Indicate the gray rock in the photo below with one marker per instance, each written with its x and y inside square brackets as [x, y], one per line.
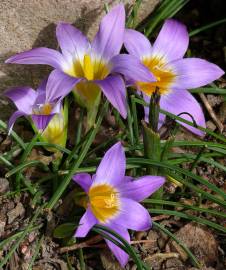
[4, 185]
[28, 24]
[199, 240]
[18, 211]
[2, 228]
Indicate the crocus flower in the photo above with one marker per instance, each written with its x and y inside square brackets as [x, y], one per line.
[40, 105]
[113, 199]
[174, 73]
[91, 67]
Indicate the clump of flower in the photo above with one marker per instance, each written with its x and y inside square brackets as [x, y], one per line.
[174, 74]
[91, 67]
[113, 199]
[88, 68]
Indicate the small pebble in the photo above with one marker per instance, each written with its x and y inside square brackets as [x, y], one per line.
[2, 228]
[15, 213]
[4, 185]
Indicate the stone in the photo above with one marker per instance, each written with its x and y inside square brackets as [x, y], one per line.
[152, 246]
[174, 264]
[18, 211]
[2, 228]
[28, 24]
[108, 260]
[200, 241]
[4, 185]
[210, 125]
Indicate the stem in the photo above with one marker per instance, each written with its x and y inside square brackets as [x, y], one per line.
[79, 127]
[81, 259]
[152, 143]
[154, 109]
[152, 148]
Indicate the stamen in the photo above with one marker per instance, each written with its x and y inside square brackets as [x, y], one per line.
[88, 67]
[163, 75]
[104, 201]
[43, 109]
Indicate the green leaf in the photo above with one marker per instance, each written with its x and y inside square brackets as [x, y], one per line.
[189, 217]
[64, 230]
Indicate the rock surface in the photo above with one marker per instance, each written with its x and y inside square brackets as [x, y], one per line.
[18, 211]
[200, 241]
[26, 24]
[4, 185]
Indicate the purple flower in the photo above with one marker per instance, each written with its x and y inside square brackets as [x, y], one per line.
[41, 105]
[91, 67]
[173, 73]
[113, 199]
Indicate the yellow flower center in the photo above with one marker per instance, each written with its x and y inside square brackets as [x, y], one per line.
[104, 201]
[89, 69]
[165, 76]
[56, 130]
[44, 109]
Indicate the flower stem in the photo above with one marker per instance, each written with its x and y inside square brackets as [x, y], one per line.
[151, 137]
[154, 109]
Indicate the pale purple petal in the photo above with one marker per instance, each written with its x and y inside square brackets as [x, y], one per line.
[41, 55]
[73, 44]
[179, 101]
[133, 215]
[84, 180]
[57, 108]
[136, 43]
[141, 188]
[13, 119]
[86, 223]
[194, 72]
[112, 167]
[41, 93]
[131, 67]
[120, 254]
[59, 85]
[127, 179]
[172, 41]
[114, 89]
[23, 98]
[162, 119]
[109, 39]
[41, 121]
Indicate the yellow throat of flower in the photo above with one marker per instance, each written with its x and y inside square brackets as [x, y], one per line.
[88, 68]
[44, 109]
[104, 201]
[164, 76]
